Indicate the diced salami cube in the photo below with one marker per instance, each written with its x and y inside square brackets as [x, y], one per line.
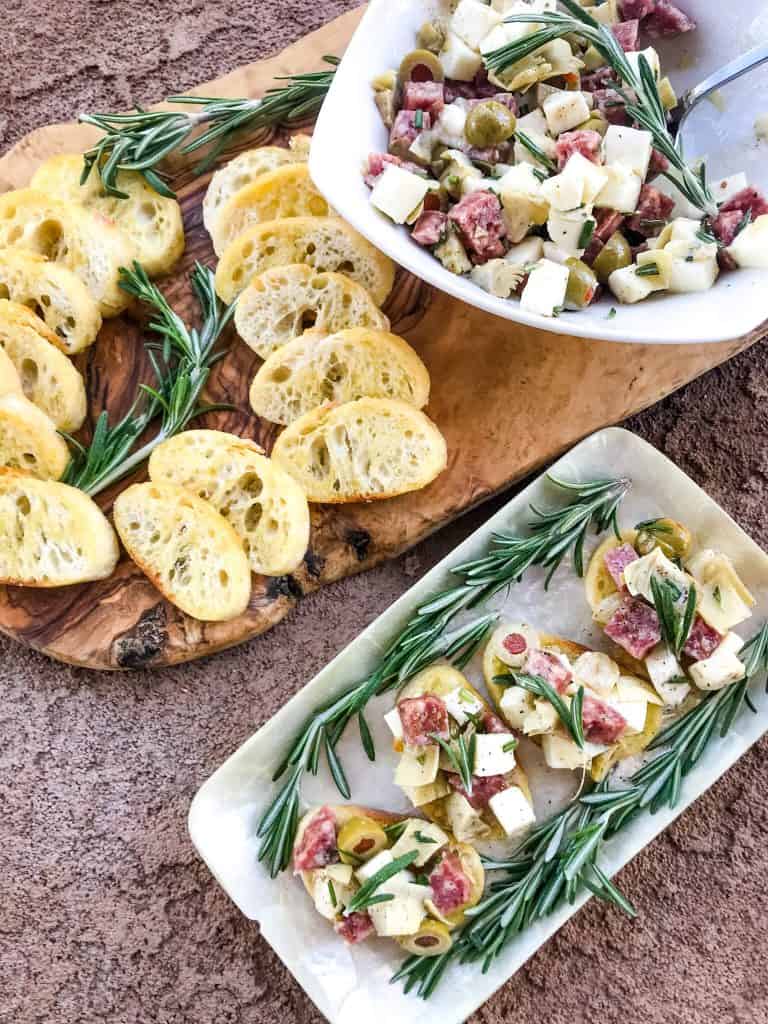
[634, 626]
[492, 723]
[667, 20]
[702, 641]
[549, 668]
[726, 225]
[355, 928]
[611, 105]
[427, 96]
[602, 723]
[423, 717]
[636, 8]
[483, 788]
[658, 165]
[617, 559]
[588, 143]
[627, 34]
[749, 200]
[408, 124]
[430, 228]
[318, 846]
[603, 78]
[653, 207]
[481, 225]
[451, 886]
[608, 223]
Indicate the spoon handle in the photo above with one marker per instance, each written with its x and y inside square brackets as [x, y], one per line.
[733, 69]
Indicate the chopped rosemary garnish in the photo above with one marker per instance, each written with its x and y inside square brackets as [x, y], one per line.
[366, 895]
[569, 715]
[647, 270]
[419, 836]
[182, 363]
[654, 526]
[536, 152]
[427, 636]
[353, 857]
[140, 141]
[509, 746]
[675, 625]
[332, 893]
[717, 595]
[395, 830]
[462, 757]
[560, 856]
[587, 231]
[707, 237]
[612, 313]
[418, 119]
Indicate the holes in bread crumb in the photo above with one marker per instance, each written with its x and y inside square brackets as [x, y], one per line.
[23, 505]
[70, 322]
[253, 516]
[133, 525]
[320, 459]
[10, 212]
[29, 376]
[346, 267]
[29, 458]
[45, 300]
[4, 293]
[318, 206]
[308, 319]
[247, 250]
[311, 249]
[281, 374]
[273, 526]
[223, 577]
[270, 250]
[146, 213]
[319, 282]
[14, 235]
[237, 274]
[252, 484]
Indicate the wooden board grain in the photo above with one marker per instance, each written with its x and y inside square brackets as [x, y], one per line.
[507, 397]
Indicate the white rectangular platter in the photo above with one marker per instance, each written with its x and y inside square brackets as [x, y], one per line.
[353, 984]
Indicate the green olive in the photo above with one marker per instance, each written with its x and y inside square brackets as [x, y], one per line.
[671, 537]
[431, 36]
[614, 255]
[420, 66]
[582, 284]
[360, 839]
[432, 939]
[489, 123]
[595, 123]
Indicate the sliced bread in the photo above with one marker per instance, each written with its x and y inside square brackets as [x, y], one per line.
[325, 243]
[29, 441]
[86, 242]
[285, 192]
[244, 169]
[55, 294]
[46, 376]
[360, 451]
[189, 551]
[51, 535]
[264, 505]
[152, 222]
[10, 381]
[341, 367]
[282, 303]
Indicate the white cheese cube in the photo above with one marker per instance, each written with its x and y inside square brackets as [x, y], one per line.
[533, 123]
[650, 55]
[732, 643]
[520, 178]
[593, 177]
[329, 895]
[570, 231]
[560, 752]
[461, 703]
[726, 188]
[681, 229]
[621, 191]
[491, 757]
[724, 601]
[563, 191]
[555, 253]
[449, 129]
[628, 287]
[401, 916]
[633, 712]
[463, 820]
[392, 718]
[630, 147]
[376, 863]
[420, 795]
[606, 13]
[528, 251]
[516, 704]
[667, 675]
[638, 575]
[545, 290]
[472, 21]
[397, 193]
[541, 720]
[630, 688]
[459, 60]
[512, 810]
[717, 671]
[417, 766]
[607, 609]
[750, 247]
[425, 837]
[597, 671]
[693, 275]
[564, 111]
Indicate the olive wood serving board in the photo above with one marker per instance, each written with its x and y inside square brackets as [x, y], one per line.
[508, 398]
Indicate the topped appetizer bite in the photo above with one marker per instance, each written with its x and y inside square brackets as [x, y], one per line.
[375, 873]
[541, 165]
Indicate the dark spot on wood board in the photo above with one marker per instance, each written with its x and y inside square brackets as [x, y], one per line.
[314, 563]
[284, 586]
[360, 540]
[137, 648]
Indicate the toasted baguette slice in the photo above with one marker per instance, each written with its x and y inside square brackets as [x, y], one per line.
[152, 222]
[325, 243]
[51, 535]
[10, 381]
[46, 376]
[264, 505]
[285, 192]
[244, 169]
[341, 367]
[87, 243]
[189, 551]
[55, 294]
[29, 441]
[364, 450]
[281, 303]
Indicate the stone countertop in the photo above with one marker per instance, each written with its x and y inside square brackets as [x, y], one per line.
[106, 913]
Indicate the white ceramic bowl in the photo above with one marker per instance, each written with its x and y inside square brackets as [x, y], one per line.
[349, 128]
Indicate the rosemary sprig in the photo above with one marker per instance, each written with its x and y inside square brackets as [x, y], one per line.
[569, 715]
[536, 152]
[367, 895]
[140, 141]
[427, 637]
[560, 856]
[462, 757]
[653, 526]
[647, 270]
[643, 105]
[186, 355]
[675, 624]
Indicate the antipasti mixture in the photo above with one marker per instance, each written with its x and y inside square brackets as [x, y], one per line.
[530, 149]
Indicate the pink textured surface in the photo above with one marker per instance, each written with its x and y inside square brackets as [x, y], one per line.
[106, 914]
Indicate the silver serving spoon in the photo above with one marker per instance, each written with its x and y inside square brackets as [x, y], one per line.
[728, 73]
